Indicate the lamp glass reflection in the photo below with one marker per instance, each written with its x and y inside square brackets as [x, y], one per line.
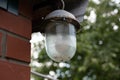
[60, 40]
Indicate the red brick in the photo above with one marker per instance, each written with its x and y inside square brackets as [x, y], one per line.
[15, 24]
[0, 43]
[11, 71]
[18, 49]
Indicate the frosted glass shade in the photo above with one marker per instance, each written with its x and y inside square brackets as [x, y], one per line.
[60, 40]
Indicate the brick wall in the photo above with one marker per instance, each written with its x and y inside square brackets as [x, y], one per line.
[15, 33]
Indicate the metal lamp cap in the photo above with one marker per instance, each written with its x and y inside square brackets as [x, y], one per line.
[63, 15]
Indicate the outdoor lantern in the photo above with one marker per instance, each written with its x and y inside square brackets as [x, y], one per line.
[60, 35]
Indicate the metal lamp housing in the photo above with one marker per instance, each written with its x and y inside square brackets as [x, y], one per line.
[60, 35]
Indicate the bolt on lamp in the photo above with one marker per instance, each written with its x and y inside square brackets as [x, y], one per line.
[60, 35]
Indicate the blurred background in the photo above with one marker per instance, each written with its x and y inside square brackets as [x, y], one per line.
[98, 47]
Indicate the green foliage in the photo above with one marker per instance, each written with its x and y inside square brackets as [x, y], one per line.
[98, 47]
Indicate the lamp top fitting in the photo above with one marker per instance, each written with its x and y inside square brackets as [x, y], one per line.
[62, 15]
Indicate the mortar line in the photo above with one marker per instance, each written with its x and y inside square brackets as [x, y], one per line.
[3, 44]
[15, 35]
[15, 61]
